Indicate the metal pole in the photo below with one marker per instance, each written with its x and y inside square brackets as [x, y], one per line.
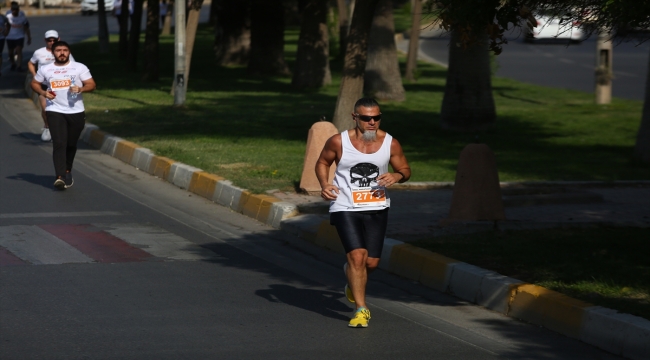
[179, 53]
[604, 69]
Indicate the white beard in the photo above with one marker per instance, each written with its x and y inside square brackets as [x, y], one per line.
[369, 136]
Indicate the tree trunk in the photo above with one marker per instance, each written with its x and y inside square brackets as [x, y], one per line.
[190, 35]
[312, 59]
[382, 79]
[267, 38]
[354, 64]
[414, 41]
[151, 64]
[642, 147]
[134, 37]
[167, 25]
[344, 21]
[232, 38]
[124, 29]
[212, 19]
[468, 104]
[103, 26]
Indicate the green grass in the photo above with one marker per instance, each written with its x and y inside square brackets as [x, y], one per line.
[609, 267]
[252, 130]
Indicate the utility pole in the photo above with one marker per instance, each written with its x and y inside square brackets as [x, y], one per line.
[179, 53]
[604, 69]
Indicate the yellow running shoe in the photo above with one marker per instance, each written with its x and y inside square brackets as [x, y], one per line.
[348, 294]
[360, 319]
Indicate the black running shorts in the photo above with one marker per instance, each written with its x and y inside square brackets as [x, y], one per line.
[2, 46]
[361, 230]
[12, 44]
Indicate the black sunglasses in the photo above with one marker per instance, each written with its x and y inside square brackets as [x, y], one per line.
[51, 40]
[368, 117]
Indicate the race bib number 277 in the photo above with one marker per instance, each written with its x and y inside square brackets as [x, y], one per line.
[369, 196]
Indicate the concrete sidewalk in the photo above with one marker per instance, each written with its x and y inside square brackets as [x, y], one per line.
[416, 212]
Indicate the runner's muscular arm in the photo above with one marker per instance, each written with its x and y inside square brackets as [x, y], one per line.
[31, 67]
[36, 86]
[88, 86]
[327, 157]
[29, 34]
[401, 168]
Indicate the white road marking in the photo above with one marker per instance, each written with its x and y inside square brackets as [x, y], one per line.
[158, 242]
[62, 214]
[37, 246]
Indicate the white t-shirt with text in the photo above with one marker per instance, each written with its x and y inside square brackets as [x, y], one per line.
[44, 57]
[17, 25]
[59, 80]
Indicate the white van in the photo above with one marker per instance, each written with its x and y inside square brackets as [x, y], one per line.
[90, 6]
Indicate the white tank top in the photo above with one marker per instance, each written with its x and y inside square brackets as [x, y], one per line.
[356, 177]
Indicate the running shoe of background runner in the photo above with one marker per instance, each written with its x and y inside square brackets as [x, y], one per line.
[59, 184]
[68, 179]
[45, 136]
[360, 319]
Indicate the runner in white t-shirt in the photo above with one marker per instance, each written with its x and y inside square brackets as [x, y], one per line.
[65, 108]
[18, 28]
[42, 57]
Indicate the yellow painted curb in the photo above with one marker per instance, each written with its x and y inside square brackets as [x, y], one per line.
[328, 237]
[257, 206]
[435, 270]
[44, 12]
[97, 138]
[160, 166]
[547, 308]
[124, 150]
[203, 184]
[407, 261]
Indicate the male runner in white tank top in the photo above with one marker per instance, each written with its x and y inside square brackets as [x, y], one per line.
[359, 201]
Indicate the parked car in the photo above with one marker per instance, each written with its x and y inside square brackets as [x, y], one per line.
[550, 27]
[90, 6]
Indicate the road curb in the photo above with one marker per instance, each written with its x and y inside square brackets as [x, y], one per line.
[621, 334]
[264, 208]
[45, 12]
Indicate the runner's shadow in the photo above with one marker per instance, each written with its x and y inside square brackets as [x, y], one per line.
[30, 136]
[325, 303]
[43, 180]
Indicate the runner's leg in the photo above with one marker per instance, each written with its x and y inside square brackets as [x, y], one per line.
[75, 124]
[59, 133]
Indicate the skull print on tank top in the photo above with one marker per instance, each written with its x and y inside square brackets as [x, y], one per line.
[356, 177]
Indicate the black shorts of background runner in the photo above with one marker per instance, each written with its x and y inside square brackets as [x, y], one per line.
[12, 44]
[361, 230]
[65, 130]
[2, 46]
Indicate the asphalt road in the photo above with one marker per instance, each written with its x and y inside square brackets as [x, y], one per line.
[124, 265]
[554, 64]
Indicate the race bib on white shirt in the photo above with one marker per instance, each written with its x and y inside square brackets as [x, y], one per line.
[368, 196]
[59, 79]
